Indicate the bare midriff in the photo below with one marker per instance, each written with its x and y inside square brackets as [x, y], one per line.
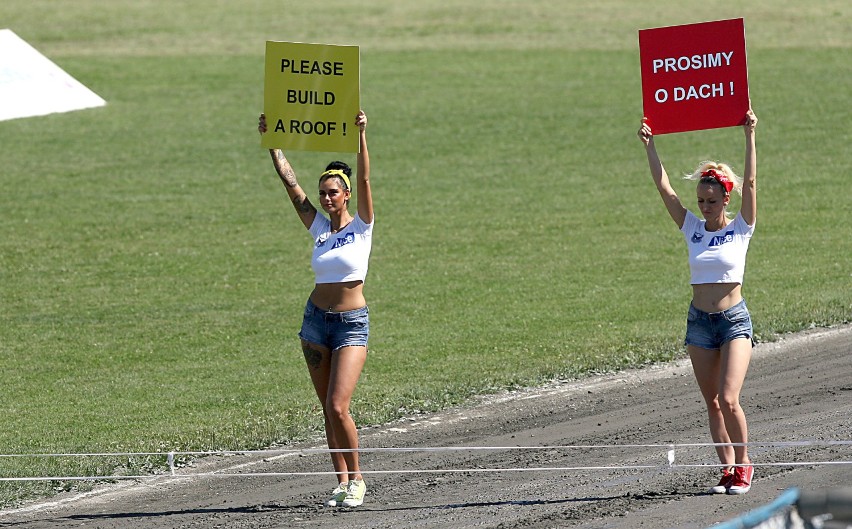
[716, 297]
[339, 297]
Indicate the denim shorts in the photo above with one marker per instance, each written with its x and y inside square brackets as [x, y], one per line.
[711, 330]
[335, 330]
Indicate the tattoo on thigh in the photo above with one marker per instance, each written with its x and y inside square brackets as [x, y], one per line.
[312, 356]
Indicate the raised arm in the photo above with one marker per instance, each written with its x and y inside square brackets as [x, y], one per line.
[749, 207]
[365, 197]
[661, 178]
[306, 211]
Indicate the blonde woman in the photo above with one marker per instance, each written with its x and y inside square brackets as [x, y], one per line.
[336, 323]
[719, 335]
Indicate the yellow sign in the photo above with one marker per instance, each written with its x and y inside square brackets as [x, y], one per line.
[311, 96]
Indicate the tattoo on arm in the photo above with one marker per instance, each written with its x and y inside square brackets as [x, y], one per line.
[288, 177]
[303, 205]
[312, 356]
[284, 170]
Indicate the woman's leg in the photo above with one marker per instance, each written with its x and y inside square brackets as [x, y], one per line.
[346, 366]
[318, 359]
[736, 356]
[707, 366]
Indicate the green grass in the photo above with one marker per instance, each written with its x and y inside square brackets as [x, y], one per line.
[152, 272]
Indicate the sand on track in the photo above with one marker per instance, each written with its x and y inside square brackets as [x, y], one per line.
[799, 389]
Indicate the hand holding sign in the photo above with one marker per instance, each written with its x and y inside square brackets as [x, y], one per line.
[645, 134]
[694, 76]
[750, 121]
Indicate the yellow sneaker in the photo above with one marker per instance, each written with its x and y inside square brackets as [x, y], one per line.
[355, 493]
[337, 495]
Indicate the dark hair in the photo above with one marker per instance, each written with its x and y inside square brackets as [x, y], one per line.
[339, 166]
[343, 166]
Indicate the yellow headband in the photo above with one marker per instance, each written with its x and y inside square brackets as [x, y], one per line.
[337, 172]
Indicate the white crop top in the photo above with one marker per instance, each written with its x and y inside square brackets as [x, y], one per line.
[716, 256]
[341, 256]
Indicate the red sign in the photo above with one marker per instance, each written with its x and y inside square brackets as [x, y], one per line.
[694, 77]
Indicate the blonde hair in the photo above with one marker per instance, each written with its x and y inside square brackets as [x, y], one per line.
[725, 169]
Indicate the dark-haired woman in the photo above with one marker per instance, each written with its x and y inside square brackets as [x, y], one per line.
[719, 335]
[336, 325]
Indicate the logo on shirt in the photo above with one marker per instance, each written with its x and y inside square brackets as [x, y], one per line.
[321, 240]
[719, 240]
[696, 237]
[347, 239]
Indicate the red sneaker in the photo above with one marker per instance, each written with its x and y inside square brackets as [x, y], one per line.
[741, 482]
[724, 483]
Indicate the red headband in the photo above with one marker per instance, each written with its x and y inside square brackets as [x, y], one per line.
[719, 177]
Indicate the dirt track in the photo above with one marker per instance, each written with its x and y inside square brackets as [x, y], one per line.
[798, 389]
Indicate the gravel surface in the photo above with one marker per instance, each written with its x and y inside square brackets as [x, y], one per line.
[574, 467]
